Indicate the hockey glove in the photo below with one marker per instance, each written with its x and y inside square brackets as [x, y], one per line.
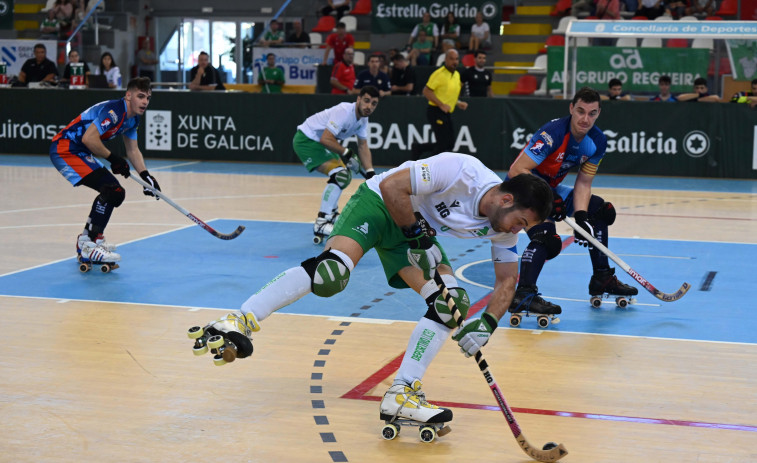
[423, 254]
[153, 183]
[118, 165]
[368, 173]
[558, 208]
[473, 334]
[582, 220]
[350, 159]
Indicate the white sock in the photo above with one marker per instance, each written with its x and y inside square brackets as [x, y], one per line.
[425, 342]
[283, 290]
[331, 194]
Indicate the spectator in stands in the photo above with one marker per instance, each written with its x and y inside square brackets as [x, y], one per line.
[204, 76]
[343, 74]
[146, 60]
[39, 68]
[50, 27]
[340, 6]
[700, 92]
[702, 8]
[64, 12]
[664, 84]
[607, 9]
[615, 91]
[582, 7]
[374, 77]
[271, 78]
[403, 76]
[651, 8]
[274, 36]
[384, 63]
[421, 51]
[73, 57]
[476, 79]
[338, 41]
[442, 92]
[676, 8]
[747, 97]
[110, 70]
[631, 5]
[450, 33]
[425, 25]
[480, 35]
[298, 35]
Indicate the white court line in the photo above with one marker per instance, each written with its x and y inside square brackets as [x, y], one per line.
[129, 224]
[181, 164]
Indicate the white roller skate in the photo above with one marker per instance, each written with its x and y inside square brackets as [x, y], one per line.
[403, 404]
[90, 253]
[228, 338]
[323, 226]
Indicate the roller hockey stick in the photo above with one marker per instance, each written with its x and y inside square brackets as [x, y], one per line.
[636, 276]
[550, 452]
[192, 217]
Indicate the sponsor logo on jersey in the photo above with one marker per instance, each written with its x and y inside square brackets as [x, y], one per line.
[425, 173]
[455, 203]
[362, 228]
[537, 147]
[113, 116]
[561, 156]
[547, 137]
[481, 232]
[105, 124]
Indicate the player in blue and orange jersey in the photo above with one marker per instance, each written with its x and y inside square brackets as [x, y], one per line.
[73, 152]
[553, 150]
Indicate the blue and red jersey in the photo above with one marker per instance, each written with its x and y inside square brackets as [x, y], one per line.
[555, 150]
[110, 119]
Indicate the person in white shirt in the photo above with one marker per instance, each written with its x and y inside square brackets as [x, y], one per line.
[480, 35]
[111, 71]
[399, 213]
[327, 129]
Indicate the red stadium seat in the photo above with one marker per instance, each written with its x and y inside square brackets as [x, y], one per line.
[713, 18]
[325, 24]
[677, 43]
[469, 60]
[362, 7]
[526, 85]
[728, 8]
[640, 18]
[562, 8]
[554, 40]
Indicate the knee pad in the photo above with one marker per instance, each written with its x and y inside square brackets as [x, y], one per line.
[438, 310]
[546, 235]
[605, 213]
[328, 274]
[112, 193]
[341, 178]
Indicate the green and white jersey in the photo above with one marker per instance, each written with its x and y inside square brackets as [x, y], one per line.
[340, 120]
[447, 190]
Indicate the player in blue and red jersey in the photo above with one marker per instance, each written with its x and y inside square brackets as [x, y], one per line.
[553, 150]
[73, 152]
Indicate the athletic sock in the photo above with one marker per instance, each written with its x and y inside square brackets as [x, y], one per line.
[284, 289]
[427, 339]
[531, 264]
[330, 198]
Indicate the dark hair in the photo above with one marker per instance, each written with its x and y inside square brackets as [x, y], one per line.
[203, 53]
[40, 45]
[139, 83]
[754, 81]
[664, 80]
[270, 54]
[587, 95]
[112, 61]
[614, 83]
[341, 25]
[479, 52]
[369, 90]
[398, 57]
[700, 81]
[529, 192]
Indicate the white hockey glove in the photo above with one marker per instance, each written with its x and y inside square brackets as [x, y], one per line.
[423, 254]
[473, 334]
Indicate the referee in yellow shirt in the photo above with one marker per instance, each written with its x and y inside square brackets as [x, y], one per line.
[442, 92]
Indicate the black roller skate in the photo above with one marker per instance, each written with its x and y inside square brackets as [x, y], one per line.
[604, 284]
[528, 301]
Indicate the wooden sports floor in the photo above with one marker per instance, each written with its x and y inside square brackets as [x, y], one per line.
[84, 378]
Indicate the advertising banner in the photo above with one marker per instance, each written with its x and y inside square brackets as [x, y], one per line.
[299, 64]
[743, 56]
[16, 52]
[6, 14]
[638, 68]
[398, 16]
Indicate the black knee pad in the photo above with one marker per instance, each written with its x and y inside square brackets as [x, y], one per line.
[112, 193]
[546, 235]
[605, 213]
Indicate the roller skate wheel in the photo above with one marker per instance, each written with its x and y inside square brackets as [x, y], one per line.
[632, 300]
[427, 434]
[195, 332]
[105, 268]
[622, 302]
[317, 240]
[214, 342]
[390, 431]
[200, 350]
[549, 446]
[515, 320]
[83, 268]
[542, 321]
[218, 360]
[555, 320]
[229, 354]
[596, 302]
[444, 431]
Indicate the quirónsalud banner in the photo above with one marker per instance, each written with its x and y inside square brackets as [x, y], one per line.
[396, 16]
[638, 68]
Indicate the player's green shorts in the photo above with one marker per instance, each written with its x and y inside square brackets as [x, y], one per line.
[366, 220]
[310, 152]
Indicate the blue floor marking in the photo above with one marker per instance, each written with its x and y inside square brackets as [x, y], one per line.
[297, 170]
[188, 267]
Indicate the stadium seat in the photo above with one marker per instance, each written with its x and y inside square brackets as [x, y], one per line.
[440, 59]
[688, 18]
[651, 42]
[640, 18]
[562, 26]
[703, 43]
[553, 41]
[677, 43]
[359, 59]
[468, 60]
[526, 85]
[713, 18]
[728, 8]
[725, 66]
[325, 24]
[362, 7]
[540, 65]
[315, 38]
[626, 42]
[350, 23]
[562, 7]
